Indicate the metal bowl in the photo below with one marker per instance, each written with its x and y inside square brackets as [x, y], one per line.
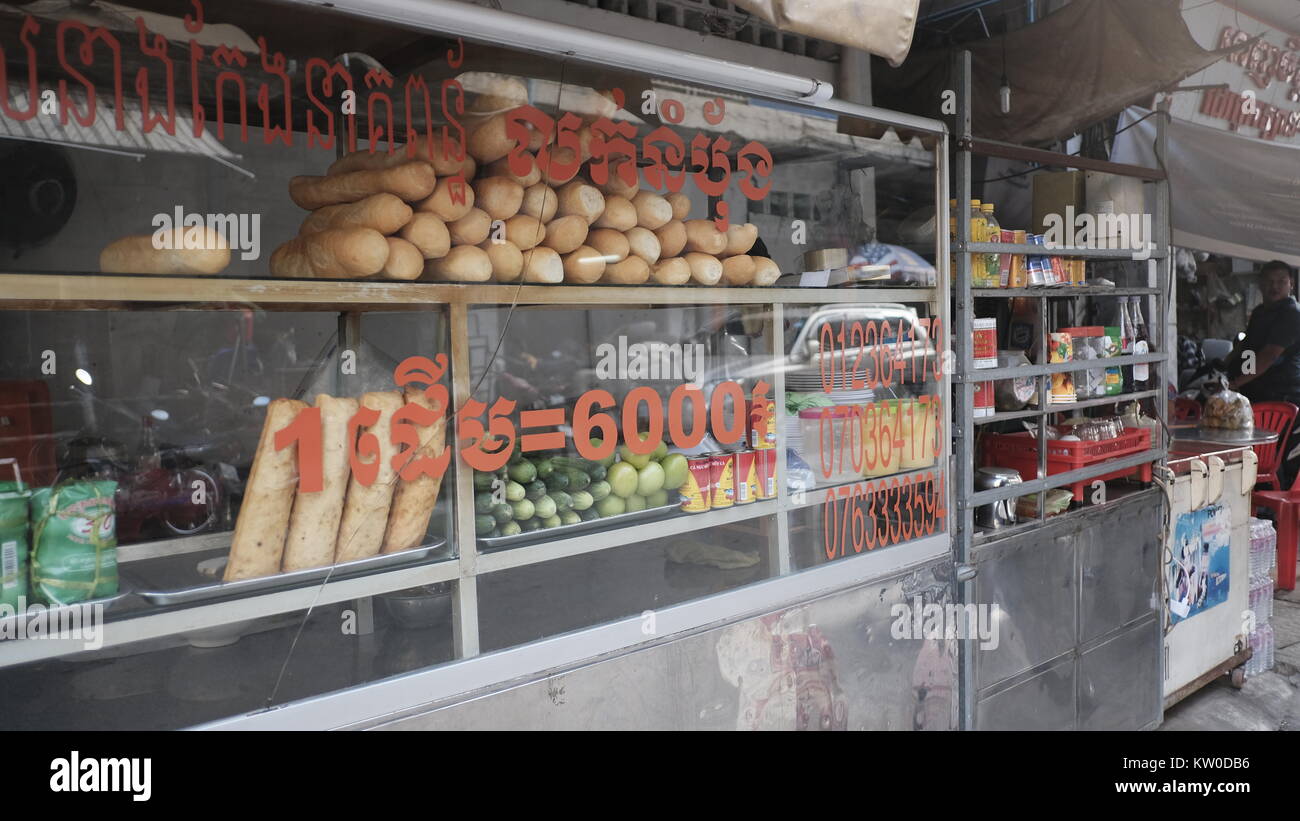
[419, 607]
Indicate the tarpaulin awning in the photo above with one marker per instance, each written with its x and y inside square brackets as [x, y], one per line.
[881, 27]
[1231, 194]
[1078, 65]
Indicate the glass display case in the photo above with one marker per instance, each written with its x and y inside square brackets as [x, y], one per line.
[352, 366]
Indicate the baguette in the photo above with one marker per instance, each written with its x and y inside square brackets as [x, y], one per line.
[584, 266]
[672, 238]
[499, 197]
[525, 231]
[566, 233]
[451, 199]
[410, 181]
[506, 258]
[314, 524]
[643, 243]
[631, 271]
[405, 261]
[335, 253]
[703, 237]
[705, 269]
[540, 201]
[501, 168]
[681, 205]
[579, 199]
[137, 255]
[738, 270]
[561, 166]
[619, 214]
[488, 142]
[365, 160]
[385, 213]
[652, 211]
[470, 229]
[543, 265]
[428, 233]
[464, 263]
[365, 510]
[611, 244]
[766, 272]
[257, 546]
[740, 238]
[414, 500]
[671, 271]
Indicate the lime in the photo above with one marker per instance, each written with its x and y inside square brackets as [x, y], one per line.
[649, 479]
[674, 465]
[622, 479]
[636, 460]
[610, 506]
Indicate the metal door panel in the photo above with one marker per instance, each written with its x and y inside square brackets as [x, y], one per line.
[1119, 573]
[1044, 702]
[1119, 681]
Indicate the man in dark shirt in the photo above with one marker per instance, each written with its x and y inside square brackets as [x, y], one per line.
[1273, 338]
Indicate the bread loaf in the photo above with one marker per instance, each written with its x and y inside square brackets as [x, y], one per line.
[409, 182]
[451, 200]
[671, 271]
[137, 255]
[499, 197]
[672, 238]
[506, 258]
[525, 231]
[501, 168]
[740, 238]
[464, 263]
[681, 205]
[385, 213]
[365, 510]
[257, 547]
[584, 266]
[619, 214]
[314, 524]
[414, 500]
[579, 199]
[566, 233]
[652, 210]
[703, 237]
[540, 201]
[405, 261]
[470, 229]
[766, 272]
[738, 270]
[705, 269]
[428, 233]
[543, 265]
[631, 271]
[612, 245]
[335, 253]
[643, 243]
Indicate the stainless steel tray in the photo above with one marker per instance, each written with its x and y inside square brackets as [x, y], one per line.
[560, 532]
[165, 583]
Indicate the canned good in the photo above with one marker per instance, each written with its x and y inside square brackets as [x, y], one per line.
[698, 489]
[985, 343]
[722, 476]
[984, 399]
[765, 461]
[746, 476]
[762, 435]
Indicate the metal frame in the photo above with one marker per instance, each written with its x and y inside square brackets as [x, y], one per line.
[1156, 294]
[471, 670]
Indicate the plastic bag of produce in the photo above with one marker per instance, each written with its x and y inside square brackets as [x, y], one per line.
[74, 542]
[1013, 394]
[1057, 502]
[1228, 409]
[13, 542]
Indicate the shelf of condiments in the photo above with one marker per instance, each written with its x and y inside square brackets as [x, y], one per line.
[1127, 336]
[1012, 270]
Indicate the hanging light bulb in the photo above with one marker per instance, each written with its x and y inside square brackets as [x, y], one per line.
[1004, 96]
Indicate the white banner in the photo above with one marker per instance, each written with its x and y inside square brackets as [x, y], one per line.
[1231, 194]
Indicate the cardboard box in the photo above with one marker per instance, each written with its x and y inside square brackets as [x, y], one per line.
[1054, 191]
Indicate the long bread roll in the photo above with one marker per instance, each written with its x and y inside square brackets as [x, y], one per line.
[409, 182]
[383, 212]
[137, 255]
[441, 158]
[263, 525]
[365, 511]
[335, 253]
[405, 261]
[413, 501]
[314, 525]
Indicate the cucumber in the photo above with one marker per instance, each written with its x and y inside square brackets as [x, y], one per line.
[529, 525]
[563, 501]
[578, 480]
[483, 481]
[570, 517]
[483, 525]
[514, 491]
[557, 481]
[544, 468]
[597, 473]
[553, 521]
[574, 463]
[536, 490]
[599, 490]
[522, 509]
[545, 507]
[502, 513]
[482, 502]
[510, 529]
[522, 472]
[582, 500]
[589, 514]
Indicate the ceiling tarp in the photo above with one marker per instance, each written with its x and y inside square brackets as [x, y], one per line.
[1231, 194]
[882, 27]
[1078, 65]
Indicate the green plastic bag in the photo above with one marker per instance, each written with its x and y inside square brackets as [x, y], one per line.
[74, 542]
[13, 543]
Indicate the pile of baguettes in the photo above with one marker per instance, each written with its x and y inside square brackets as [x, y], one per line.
[398, 217]
[280, 529]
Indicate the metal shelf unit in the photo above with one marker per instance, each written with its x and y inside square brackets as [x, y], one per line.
[1155, 293]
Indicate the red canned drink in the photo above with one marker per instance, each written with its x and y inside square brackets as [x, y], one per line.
[762, 434]
[697, 492]
[722, 476]
[746, 477]
[766, 466]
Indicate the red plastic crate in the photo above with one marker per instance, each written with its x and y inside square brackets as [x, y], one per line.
[1020, 452]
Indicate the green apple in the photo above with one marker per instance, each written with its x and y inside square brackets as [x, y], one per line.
[674, 465]
[636, 460]
[635, 502]
[650, 479]
[622, 478]
[660, 451]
